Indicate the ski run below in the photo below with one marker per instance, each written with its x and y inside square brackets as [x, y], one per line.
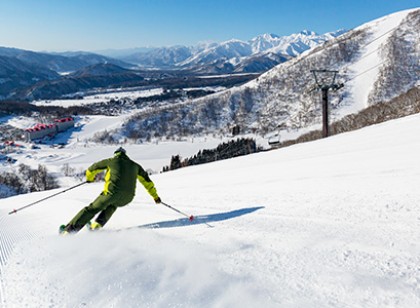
[331, 223]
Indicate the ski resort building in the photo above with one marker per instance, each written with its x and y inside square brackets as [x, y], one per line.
[64, 124]
[40, 131]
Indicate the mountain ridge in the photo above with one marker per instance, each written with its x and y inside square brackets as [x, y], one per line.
[59, 62]
[232, 51]
[233, 56]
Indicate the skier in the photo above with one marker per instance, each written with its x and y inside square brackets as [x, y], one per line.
[120, 186]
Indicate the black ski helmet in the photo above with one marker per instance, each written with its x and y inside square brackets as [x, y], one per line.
[120, 150]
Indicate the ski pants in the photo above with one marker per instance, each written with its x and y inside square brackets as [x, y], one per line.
[104, 204]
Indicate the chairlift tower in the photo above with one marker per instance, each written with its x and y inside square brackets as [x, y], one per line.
[325, 80]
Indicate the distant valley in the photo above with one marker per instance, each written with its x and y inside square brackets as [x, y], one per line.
[28, 75]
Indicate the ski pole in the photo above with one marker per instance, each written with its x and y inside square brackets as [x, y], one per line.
[33, 203]
[190, 217]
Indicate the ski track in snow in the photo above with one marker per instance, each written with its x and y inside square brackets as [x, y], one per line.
[9, 236]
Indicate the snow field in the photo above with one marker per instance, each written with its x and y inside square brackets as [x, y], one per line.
[101, 97]
[331, 223]
[151, 271]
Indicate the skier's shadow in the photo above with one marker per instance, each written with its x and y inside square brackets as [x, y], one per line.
[201, 219]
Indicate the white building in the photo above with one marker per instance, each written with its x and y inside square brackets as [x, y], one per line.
[42, 130]
[64, 124]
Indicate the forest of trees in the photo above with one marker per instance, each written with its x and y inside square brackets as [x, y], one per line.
[233, 148]
[404, 105]
[26, 180]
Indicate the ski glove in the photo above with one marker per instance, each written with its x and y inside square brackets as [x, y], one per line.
[90, 175]
[157, 200]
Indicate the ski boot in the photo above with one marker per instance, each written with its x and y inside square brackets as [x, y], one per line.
[93, 226]
[62, 230]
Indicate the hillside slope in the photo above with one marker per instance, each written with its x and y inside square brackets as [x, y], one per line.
[377, 62]
[332, 223]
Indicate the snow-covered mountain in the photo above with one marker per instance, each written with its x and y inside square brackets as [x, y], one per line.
[377, 62]
[257, 55]
[292, 45]
[160, 57]
[233, 53]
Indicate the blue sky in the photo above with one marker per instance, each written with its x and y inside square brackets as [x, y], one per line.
[60, 25]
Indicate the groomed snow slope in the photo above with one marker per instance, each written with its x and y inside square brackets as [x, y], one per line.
[332, 223]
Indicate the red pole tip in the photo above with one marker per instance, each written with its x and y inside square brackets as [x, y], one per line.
[191, 218]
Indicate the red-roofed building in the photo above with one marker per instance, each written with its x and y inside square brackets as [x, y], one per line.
[64, 124]
[42, 130]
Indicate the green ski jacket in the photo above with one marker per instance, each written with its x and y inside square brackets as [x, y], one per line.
[121, 176]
